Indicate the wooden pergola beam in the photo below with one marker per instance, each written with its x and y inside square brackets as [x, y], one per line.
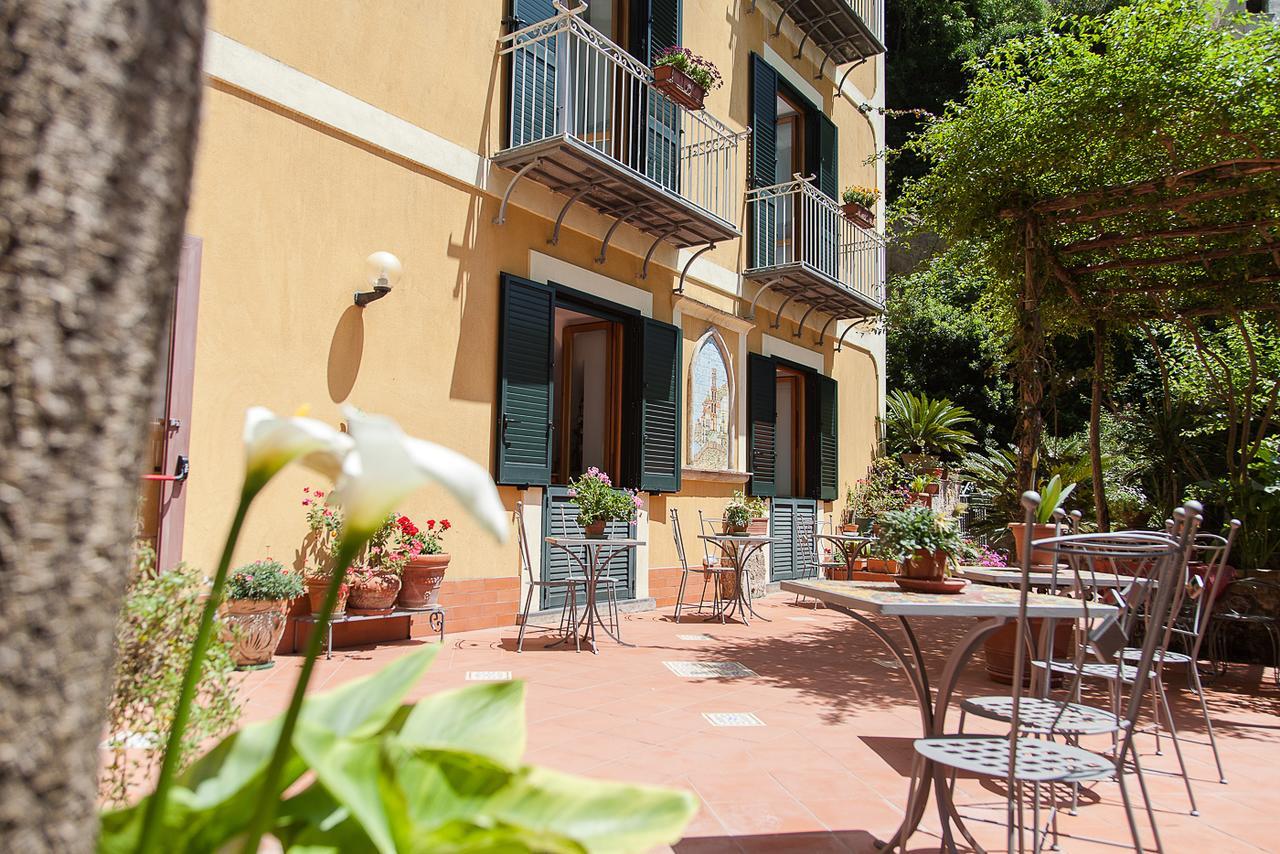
[1111, 240]
[1173, 260]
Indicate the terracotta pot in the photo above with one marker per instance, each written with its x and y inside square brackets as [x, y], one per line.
[1039, 531]
[254, 628]
[316, 589]
[421, 580]
[881, 565]
[928, 566]
[997, 648]
[924, 499]
[859, 215]
[377, 594]
[731, 528]
[849, 528]
[595, 530]
[932, 488]
[679, 87]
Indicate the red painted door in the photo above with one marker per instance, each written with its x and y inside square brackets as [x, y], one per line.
[167, 466]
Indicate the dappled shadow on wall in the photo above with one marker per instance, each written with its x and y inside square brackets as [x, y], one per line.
[345, 352]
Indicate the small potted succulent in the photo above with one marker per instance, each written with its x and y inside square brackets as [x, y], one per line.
[1052, 496]
[426, 564]
[927, 543]
[860, 205]
[740, 512]
[257, 599]
[923, 488]
[685, 77]
[599, 503]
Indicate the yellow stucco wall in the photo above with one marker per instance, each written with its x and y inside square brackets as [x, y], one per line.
[288, 209]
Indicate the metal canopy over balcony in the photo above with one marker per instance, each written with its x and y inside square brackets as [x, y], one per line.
[805, 249]
[586, 121]
[844, 30]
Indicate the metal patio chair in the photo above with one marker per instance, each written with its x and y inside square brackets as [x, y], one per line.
[710, 571]
[1043, 746]
[570, 585]
[1238, 606]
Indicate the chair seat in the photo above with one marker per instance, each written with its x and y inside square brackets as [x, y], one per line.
[1098, 670]
[1045, 716]
[1037, 761]
[1170, 657]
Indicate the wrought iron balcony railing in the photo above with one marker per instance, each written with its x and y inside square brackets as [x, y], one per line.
[803, 245]
[587, 117]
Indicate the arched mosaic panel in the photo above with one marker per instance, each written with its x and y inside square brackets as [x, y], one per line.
[710, 406]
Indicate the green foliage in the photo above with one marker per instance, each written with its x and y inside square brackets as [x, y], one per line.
[923, 425]
[154, 636]
[702, 70]
[1052, 496]
[916, 528]
[443, 774]
[597, 499]
[884, 488]
[264, 580]
[742, 508]
[865, 196]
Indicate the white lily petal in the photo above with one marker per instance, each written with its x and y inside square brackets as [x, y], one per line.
[272, 442]
[385, 466]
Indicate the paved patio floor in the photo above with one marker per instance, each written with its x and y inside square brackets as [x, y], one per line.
[826, 768]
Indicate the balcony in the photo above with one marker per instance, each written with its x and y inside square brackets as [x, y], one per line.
[803, 246]
[844, 30]
[585, 120]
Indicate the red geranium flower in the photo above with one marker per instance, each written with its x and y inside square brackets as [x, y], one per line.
[444, 524]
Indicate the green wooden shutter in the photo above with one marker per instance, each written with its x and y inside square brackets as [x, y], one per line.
[822, 464]
[533, 78]
[828, 157]
[524, 383]
[763, 161]
[660, 407]
[560, 519]
[762, 410]
[656, 28]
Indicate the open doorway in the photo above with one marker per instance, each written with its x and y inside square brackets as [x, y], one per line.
[588, 392]
[790, 471]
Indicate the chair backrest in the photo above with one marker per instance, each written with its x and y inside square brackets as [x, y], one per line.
[679, 539]
[708, 526]
[522, 539]
[1211, 552]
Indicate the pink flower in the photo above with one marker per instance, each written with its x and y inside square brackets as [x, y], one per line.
[306, 502]
[306, 489]
[319, 494]
[375, 551]
[637, 501]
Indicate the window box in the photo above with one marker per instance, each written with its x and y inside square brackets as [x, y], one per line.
[679, 87]
[859, 215]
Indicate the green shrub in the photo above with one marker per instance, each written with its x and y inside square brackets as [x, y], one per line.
[153, 643]
[917, 528]
[264, 580]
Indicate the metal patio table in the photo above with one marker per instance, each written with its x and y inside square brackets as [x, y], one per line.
[599, 553]
[1006, 577]
[740, 548]
[995, 606]
[850, 545]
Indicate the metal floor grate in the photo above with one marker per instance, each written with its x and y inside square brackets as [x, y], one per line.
[709, 669]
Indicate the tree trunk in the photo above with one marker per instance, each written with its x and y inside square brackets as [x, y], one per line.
[98, 110]
[1029, 339]
[1101, 512]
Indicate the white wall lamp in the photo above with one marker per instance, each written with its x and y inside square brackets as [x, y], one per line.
[382, 272]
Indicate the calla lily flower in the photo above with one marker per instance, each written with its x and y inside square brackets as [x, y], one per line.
[271, 442]
[385, 466]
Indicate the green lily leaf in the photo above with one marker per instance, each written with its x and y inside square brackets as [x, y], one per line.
[485, 719]
[214, 799]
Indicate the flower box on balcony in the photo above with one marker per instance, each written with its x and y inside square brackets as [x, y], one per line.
[679, 87]
[859, 215]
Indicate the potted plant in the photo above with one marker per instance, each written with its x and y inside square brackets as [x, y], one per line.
[319, 551]
[599, 503]
[922, 429]
[1052, 496]
[740, 511]
[685, 77]
[923, 488]
[426, 564]
[926, 543]
[257, 598]
[375, 578]
[860, 205]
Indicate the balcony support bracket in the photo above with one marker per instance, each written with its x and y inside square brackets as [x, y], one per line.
[777, 320]
[644, 268]
[823, 67]
[506, 197]
[694, 257]
[840, 343]
[822, 334]
[608, 235]
[847, 72]
[778, 28]
[755, 300]
[554, 240]
[803, 318]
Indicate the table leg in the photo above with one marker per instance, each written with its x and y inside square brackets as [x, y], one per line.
[750, 554]
[599, 567]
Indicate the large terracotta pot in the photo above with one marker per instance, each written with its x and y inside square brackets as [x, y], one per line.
[316, 590]
[1039, 531]
[927, 566]
[880, 566]
[730, 528]
[421, 582]
[997, 648]
[254, 628]
[374, 595]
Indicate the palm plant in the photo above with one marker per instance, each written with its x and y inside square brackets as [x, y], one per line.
[923, 425]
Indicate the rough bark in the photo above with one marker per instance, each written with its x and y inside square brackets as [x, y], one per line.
[1029, 339]
[98, 109]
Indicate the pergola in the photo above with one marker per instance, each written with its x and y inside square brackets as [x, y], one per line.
[1201, 242]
